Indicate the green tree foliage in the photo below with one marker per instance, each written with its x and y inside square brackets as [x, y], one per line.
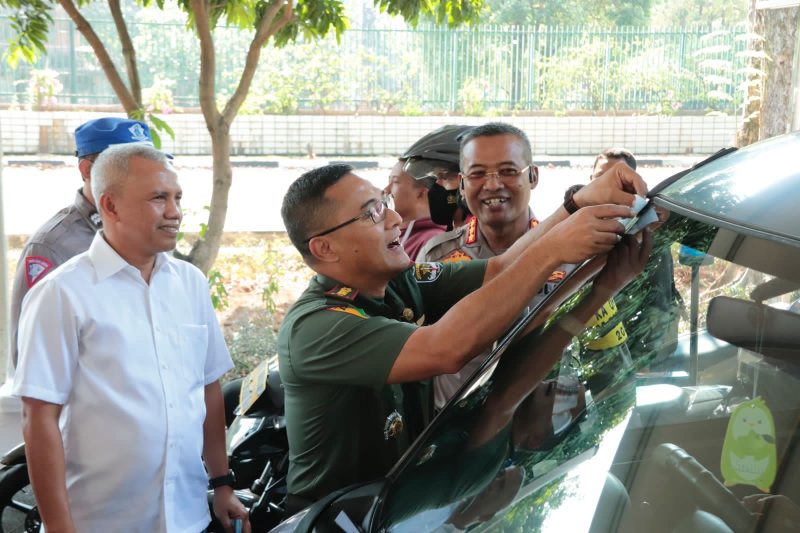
[568, 12]
[277, 21]
[686, 13]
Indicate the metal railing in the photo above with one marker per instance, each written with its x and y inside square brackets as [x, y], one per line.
[476, 71]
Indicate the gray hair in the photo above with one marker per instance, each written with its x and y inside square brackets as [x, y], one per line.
[110, 169]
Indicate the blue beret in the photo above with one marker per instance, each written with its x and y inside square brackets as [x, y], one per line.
[96, 135]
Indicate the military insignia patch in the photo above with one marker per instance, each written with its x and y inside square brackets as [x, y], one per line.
[393, 426]
[408, 314]
[427, 272]
[96, 220]
[355, 311]
[343, 293]
[456, 256]
[35, 268]
[534, 223]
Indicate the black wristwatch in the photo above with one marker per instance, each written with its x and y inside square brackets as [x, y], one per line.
[228, 479]
[569, 200]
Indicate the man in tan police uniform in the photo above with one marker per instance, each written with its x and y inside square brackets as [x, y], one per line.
[497, 179]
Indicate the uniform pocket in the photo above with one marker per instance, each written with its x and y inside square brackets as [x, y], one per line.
[194, 347]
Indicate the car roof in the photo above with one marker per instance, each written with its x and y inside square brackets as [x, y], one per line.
[755, 187]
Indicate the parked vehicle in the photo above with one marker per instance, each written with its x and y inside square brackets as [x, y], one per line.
[257, 447]
[695, 429]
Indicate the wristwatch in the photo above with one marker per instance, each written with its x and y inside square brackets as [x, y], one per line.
[569, 200]
[228, 479]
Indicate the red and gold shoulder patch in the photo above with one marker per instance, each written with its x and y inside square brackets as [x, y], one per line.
[35, 268]
[456, 256]
[355, 311]
[472, 230]
[557, 275]
[534, 223]
[343, 293]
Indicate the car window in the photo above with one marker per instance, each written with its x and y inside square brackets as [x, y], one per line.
[672, 406]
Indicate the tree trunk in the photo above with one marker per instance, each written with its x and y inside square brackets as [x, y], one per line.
[754, 88]
[204, 251]
[780, 31]
[767, 109]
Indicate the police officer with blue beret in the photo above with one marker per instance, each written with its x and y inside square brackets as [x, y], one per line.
[71, 230]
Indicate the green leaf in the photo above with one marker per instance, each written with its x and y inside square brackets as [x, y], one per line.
[162, 126]
[156, 138]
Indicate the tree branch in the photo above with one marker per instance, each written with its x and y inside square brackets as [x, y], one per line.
[125, 98]
[267, 27]
[128, 51]
[207, 65]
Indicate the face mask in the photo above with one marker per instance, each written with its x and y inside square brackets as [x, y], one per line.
[443, 204]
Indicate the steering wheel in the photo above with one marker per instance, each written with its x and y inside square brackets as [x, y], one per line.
[712, 495]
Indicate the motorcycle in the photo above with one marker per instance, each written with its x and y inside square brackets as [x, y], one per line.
[257, 448]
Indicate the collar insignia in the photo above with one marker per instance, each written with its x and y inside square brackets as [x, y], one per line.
[472, 230]
[96, 220]
[408, 315]
[343, 293]
[534, 223]
[393, 426]
[557, 275]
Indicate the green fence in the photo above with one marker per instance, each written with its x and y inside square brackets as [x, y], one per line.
[476, 71]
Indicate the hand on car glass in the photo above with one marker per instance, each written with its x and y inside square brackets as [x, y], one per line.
[590, 231]
[617, 185]
[227, 507]
[624, 262]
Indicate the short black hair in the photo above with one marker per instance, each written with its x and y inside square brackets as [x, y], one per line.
[616, 152]
[305, 207]
[492, 129]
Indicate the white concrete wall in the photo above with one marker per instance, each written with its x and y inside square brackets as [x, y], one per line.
[26, 132]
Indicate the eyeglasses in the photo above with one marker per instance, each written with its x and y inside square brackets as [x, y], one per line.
[377, 212]
[506, 175]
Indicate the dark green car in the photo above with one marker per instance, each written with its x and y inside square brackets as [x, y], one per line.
[675, 409]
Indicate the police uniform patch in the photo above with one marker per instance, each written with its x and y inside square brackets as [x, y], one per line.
[96, 220]
[456, 256]
[355, 311]
[35, 268]
[427, 272]
[343, 293]
[394, 425]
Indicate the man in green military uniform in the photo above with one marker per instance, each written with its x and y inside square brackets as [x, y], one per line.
[371, 319]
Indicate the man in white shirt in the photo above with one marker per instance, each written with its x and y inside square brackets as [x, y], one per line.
[120, 355]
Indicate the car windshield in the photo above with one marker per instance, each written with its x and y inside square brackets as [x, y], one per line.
[674, 408]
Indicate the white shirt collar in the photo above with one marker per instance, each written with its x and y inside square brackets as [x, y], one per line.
[108, 262]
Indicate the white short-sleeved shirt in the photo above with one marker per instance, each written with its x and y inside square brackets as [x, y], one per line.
[129, 362]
